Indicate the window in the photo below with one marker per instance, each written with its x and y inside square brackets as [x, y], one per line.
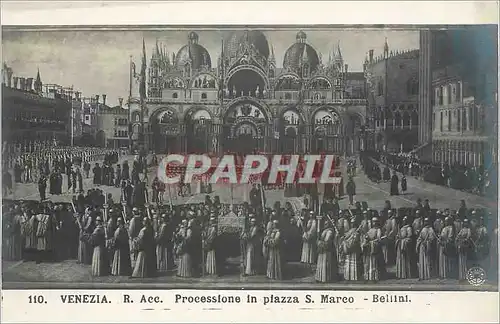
[203, 95]
[175, 95]
[116, 121]
[449, 121]
[459, 120]
[440, 96]
[441, 118]
[116, 133]
[464, 120]
[458, 97]
[137, 118]
[448, 94]
[471, 119]
[380, 89]
[288, 96]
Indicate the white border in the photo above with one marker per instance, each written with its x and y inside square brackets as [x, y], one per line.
[50, 13]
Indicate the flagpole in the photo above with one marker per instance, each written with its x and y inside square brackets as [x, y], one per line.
[72, 124]
[128, 105]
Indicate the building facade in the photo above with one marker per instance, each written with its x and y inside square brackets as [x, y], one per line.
[112, 125]
[463, 87]
[392, 82]
[244, 102]
[35, 114]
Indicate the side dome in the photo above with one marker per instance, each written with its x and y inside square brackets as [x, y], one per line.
[300, 53]
[241, 38]
[194, 53]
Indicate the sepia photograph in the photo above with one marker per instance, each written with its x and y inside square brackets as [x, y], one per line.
[263, 157]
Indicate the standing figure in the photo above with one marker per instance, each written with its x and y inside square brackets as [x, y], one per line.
[426, 243]
[97, 174]
[340, 230]
[404, 184]
[447, 250]
[326, 270]
[210, 248]
[394, 184]
[144, 244]
[465, 246]
[42, 187]
[275, 260]
[253, 248]
[163, 239]
[351, 245]
[309, 241]
[100, 257]
[390, 231]
[373, 258]
[122, 265]
[185, 250]
[351, 190]
[86, 228]
[133, 231]
[404, 251]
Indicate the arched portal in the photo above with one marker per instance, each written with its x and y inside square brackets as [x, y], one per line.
[198, 122]
[166, 131]
[291, 123]
[246, 82]
[245, 125]
[327, 131]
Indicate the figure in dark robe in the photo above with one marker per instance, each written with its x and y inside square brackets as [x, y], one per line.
[394, 185]
[351, 190]
[97, 174]
[386, 174]
[42, 187]
[404, 184]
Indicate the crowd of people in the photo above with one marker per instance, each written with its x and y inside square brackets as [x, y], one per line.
[354, 244]
[50, 164]
[474, 179]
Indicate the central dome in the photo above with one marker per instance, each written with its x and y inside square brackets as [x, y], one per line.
[300, 53]
[246, 37]
[193, 52]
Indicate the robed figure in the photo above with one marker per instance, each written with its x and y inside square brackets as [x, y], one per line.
[309, 241]
[274, 243]
[425, 247]
[404, 251]
[404, 184]
[163, 239]
[326, 269]
[253, 257]
[390, 231]
[86, 228]
[394, 184]
[351, 246]
[465, 248]
[210, 248]
[46, 234]
[29, 224]
[447, 250]
[340, 230]
[144, 244]
[185, 250]
[122, 265]
[373, 258]
[100, 257]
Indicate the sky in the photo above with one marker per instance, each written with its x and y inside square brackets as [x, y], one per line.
[97, 61]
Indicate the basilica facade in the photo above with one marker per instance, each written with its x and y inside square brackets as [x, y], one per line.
[243, 101]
